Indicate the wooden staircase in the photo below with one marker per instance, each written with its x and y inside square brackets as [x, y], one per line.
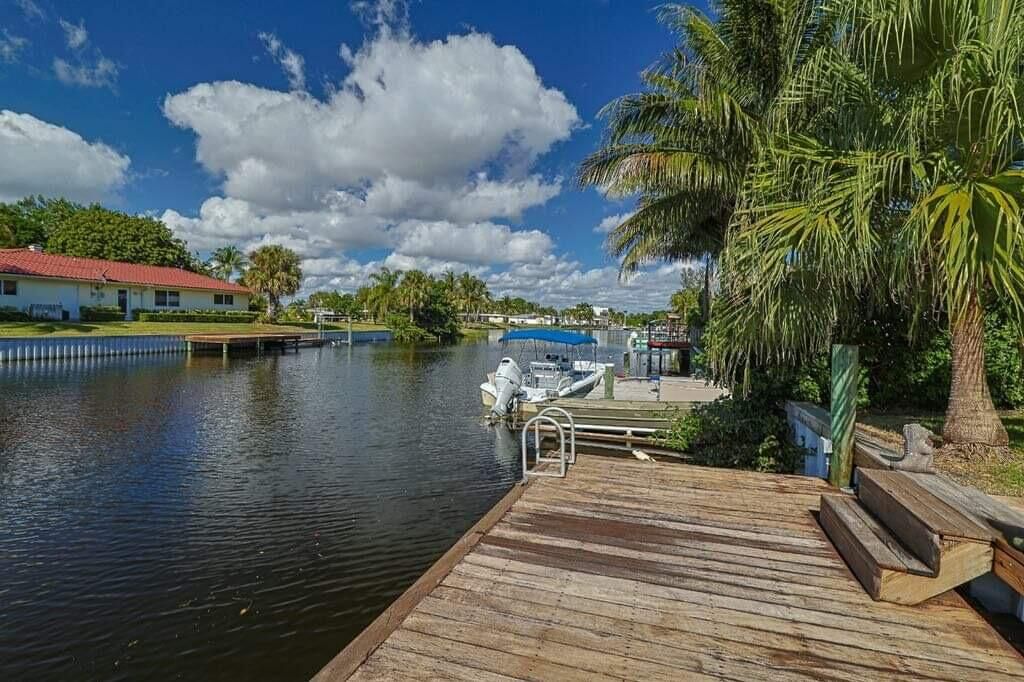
[904, 543]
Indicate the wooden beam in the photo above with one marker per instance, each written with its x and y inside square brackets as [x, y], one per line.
[845, 375]
[359, 649]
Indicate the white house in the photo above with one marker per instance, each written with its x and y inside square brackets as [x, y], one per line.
[531, 320]
[56, 287]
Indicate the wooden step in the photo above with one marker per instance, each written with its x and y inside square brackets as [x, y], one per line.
[923, 523]
[884, 566]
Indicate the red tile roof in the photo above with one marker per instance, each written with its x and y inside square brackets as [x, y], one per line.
[38, 264]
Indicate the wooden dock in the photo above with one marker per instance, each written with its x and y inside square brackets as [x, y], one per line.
[633, 570]
[225, 343]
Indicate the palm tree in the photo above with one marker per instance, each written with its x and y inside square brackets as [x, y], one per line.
[904, 179]
[273, 271]
[226, 261]
[414, 291]
[471, 294]
[381, 294]
[685, 145]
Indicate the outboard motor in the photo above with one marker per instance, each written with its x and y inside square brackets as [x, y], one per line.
[507, 381]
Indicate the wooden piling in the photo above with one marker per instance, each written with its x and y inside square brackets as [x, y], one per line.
[609, 382]
[845, 375]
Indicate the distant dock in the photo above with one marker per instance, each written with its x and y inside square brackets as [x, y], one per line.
[225, 343]
[632, 570]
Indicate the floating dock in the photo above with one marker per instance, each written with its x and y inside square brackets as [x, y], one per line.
[632, 570]
[225, 343]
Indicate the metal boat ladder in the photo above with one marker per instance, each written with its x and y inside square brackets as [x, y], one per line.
[563, 460]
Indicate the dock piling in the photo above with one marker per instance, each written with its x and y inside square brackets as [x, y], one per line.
[609, 382]
[845, 375]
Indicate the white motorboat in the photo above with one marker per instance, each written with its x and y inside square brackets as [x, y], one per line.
[550, 375]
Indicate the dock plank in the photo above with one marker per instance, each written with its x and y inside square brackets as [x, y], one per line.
[628, 570]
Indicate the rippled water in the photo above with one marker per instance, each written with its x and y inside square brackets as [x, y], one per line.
[165, 518]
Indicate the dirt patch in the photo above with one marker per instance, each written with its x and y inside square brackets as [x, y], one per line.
[996, 471]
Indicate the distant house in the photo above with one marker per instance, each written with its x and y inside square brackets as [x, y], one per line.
[56, 287]
[531, 320]
[600, 316]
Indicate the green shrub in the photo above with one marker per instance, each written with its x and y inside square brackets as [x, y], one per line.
[12, 314]
[745, 432]
[404, 331]
[100, 313]
[221, 316]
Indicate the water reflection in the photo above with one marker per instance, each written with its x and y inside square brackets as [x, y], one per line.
[174, 517]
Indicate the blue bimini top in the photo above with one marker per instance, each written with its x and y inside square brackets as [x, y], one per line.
[551, 335]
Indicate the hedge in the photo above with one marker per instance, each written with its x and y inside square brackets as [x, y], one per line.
[237, 316]
[100, 313]
[10, 314]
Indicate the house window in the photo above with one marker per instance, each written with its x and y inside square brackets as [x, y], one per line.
[167, 299]
[9, 287]
[223, 299]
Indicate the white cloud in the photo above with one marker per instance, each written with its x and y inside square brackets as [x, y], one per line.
[89, 68]
[611, 222]
[75, 35]
[30, 9]
[421, 151]
[100, 74]
[37, 157]
[477, 243]
[430, 113]
[292, 62]
[11, 46]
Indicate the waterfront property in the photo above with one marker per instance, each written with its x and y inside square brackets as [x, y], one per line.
[632, 570]
[54, 287]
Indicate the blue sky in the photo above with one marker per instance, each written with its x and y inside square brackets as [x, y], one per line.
[434, 134]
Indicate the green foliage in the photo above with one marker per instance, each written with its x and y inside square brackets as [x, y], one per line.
[96, 232]
[258, 303]
[30, 220]
[12, 314]
[434, 320]
[227, 261]
[237, 316]
[274, 272]
[340, 303]
[100, 313]
[743, 433]
[405, 331]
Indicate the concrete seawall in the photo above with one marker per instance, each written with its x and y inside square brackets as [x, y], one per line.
[22, 349]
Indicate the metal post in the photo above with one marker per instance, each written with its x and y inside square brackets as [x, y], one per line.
[609, 382]
[845, 374]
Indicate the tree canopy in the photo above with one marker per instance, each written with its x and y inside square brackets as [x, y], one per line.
[274, 271]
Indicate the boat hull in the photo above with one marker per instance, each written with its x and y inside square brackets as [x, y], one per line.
[488, 391]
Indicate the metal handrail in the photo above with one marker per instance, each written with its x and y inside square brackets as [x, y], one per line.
[561, 450]
[572, 430]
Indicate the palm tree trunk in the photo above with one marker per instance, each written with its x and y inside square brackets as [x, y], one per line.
[971, 417]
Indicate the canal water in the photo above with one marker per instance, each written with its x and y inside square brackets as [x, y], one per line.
[174, 518]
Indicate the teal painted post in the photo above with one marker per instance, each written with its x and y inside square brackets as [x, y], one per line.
[350, 331]
[224, 349]
[845, 373]
[609, 382]
[188, 347]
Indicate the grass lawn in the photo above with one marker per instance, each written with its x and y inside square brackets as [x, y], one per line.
[995, 474]
[13, 329]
